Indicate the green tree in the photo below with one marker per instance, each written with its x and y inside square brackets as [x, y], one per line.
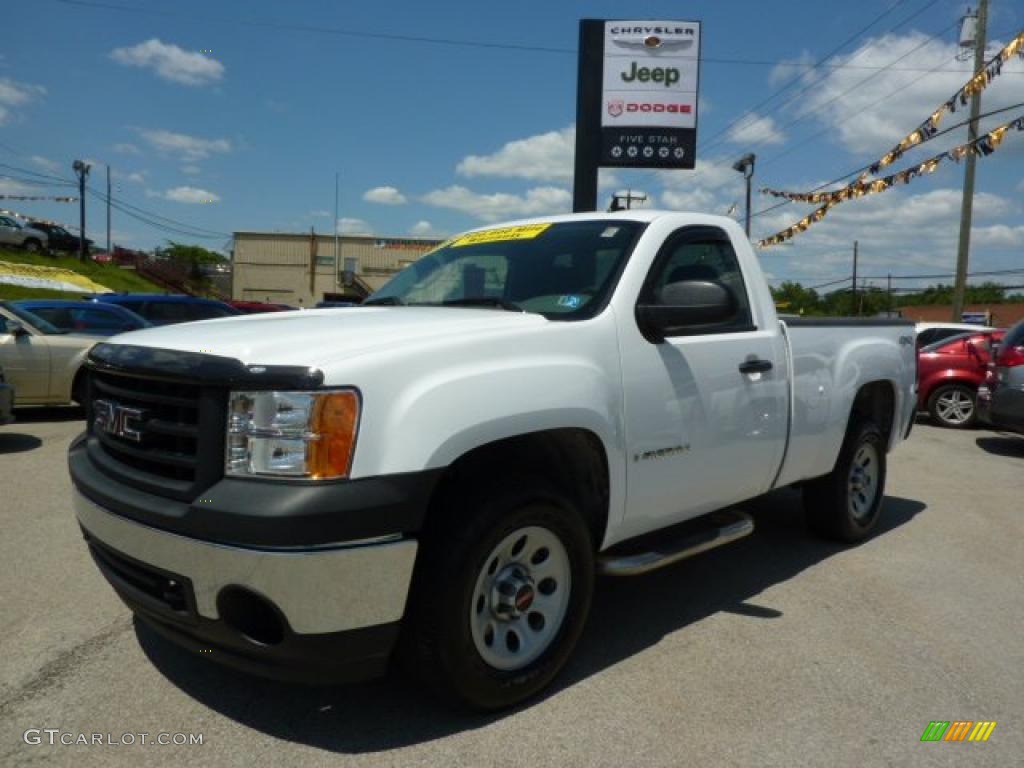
[792, 298]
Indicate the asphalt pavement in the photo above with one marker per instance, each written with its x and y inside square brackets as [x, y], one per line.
[778, 650]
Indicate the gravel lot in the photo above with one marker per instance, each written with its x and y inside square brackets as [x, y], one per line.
[779, 650]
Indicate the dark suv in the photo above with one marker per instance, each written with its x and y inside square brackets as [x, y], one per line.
[1003, 407]
[60, 239]
[167, 309]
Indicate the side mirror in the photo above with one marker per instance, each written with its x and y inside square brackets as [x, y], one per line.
[689, 306]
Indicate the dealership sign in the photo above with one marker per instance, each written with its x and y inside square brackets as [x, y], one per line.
[637, 97]
[649, 93]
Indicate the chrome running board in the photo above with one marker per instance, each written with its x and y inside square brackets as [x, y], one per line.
[719, 528]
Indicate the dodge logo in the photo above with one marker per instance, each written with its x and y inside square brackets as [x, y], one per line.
[119, 420]
[615, 108]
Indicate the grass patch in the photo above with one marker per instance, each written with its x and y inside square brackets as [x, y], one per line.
[11, 292]
[110, 275]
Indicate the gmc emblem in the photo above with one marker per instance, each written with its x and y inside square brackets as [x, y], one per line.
[118, 420]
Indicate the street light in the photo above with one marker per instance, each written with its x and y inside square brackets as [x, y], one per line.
[745, 165]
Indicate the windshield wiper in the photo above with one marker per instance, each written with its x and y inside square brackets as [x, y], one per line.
[483, 301]
[390, 301]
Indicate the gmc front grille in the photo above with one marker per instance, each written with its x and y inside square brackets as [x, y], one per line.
[173, 444]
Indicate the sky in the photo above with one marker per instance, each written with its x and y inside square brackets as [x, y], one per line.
[439, 117]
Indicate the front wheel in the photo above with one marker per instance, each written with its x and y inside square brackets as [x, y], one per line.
[501, 596]
[846, 503]
[953, 405]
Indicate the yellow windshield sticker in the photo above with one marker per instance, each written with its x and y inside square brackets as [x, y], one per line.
[525, 232]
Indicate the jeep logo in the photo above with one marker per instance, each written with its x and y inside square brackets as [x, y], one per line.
[667, 75]
[119, 420]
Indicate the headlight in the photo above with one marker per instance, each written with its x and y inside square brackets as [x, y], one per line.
[294, 434]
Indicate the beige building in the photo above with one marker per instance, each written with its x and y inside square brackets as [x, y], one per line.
[300, 269]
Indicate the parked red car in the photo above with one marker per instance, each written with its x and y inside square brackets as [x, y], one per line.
[949, 373]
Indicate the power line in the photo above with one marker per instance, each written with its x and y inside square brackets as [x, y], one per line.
[169, 226]
[855, 86]
[793, 81]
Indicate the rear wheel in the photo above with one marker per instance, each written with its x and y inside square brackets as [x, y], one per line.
[32, 245]
[846, 503]
[501, 594]
[954, 406]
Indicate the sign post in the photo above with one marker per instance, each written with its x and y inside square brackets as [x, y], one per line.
[636, 100]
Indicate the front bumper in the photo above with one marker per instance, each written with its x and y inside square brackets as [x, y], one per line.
[313, 615]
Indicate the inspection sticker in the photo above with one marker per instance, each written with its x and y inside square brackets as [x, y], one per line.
[525, 232]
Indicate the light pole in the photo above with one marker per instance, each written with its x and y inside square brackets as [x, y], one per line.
[82, 171]
[967, 204]
[745, 165]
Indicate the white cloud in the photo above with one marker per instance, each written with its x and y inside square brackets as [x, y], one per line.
[998, 235]
[191, 170]
[350, 226]
[191, 195]
[787, 69]
[501, 205]
[190, 148]
[46, 163]
[384, 196]
[424, 228]
[542, 157]
[171, 62]
[14, 94]
[127, 149]
[755, 129]
[135, 177]
[870, 118]
[897, 231]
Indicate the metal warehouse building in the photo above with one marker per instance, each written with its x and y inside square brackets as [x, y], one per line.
[300, 269]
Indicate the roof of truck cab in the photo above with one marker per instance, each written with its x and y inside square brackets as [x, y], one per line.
[642, 215]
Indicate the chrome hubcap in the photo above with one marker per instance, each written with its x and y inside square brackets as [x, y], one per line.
[955, 407]
[863, 482]
[520, 598]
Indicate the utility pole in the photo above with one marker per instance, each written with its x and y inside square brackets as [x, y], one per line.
[337, 249]
[888, 294]
[853, 296]
[967, 204]
[312, 264]
[82, 171]
[108, 211]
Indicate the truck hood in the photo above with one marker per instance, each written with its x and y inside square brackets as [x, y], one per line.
[316, 337]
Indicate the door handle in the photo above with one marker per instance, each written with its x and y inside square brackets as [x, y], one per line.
[755, 366]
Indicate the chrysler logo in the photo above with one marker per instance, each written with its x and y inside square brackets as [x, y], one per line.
[119, 420]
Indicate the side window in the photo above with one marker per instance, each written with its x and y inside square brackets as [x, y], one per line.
[703, 254]
[203, 311]
[167, 312]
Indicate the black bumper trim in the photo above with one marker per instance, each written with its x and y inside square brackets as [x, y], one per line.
[265, 514]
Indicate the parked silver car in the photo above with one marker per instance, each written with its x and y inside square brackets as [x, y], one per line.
[41, 362]
[13, 232]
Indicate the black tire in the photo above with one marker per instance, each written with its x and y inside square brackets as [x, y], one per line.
[32, 245]
[944, 411]
[835, 504]
[437, 644]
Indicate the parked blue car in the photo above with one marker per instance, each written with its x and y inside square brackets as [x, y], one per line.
[166, 309]
[93, 318]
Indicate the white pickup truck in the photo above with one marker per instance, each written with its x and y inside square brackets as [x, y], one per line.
[438, 475]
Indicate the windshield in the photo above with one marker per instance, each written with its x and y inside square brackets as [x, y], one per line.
[32, 319]
[564, 271]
